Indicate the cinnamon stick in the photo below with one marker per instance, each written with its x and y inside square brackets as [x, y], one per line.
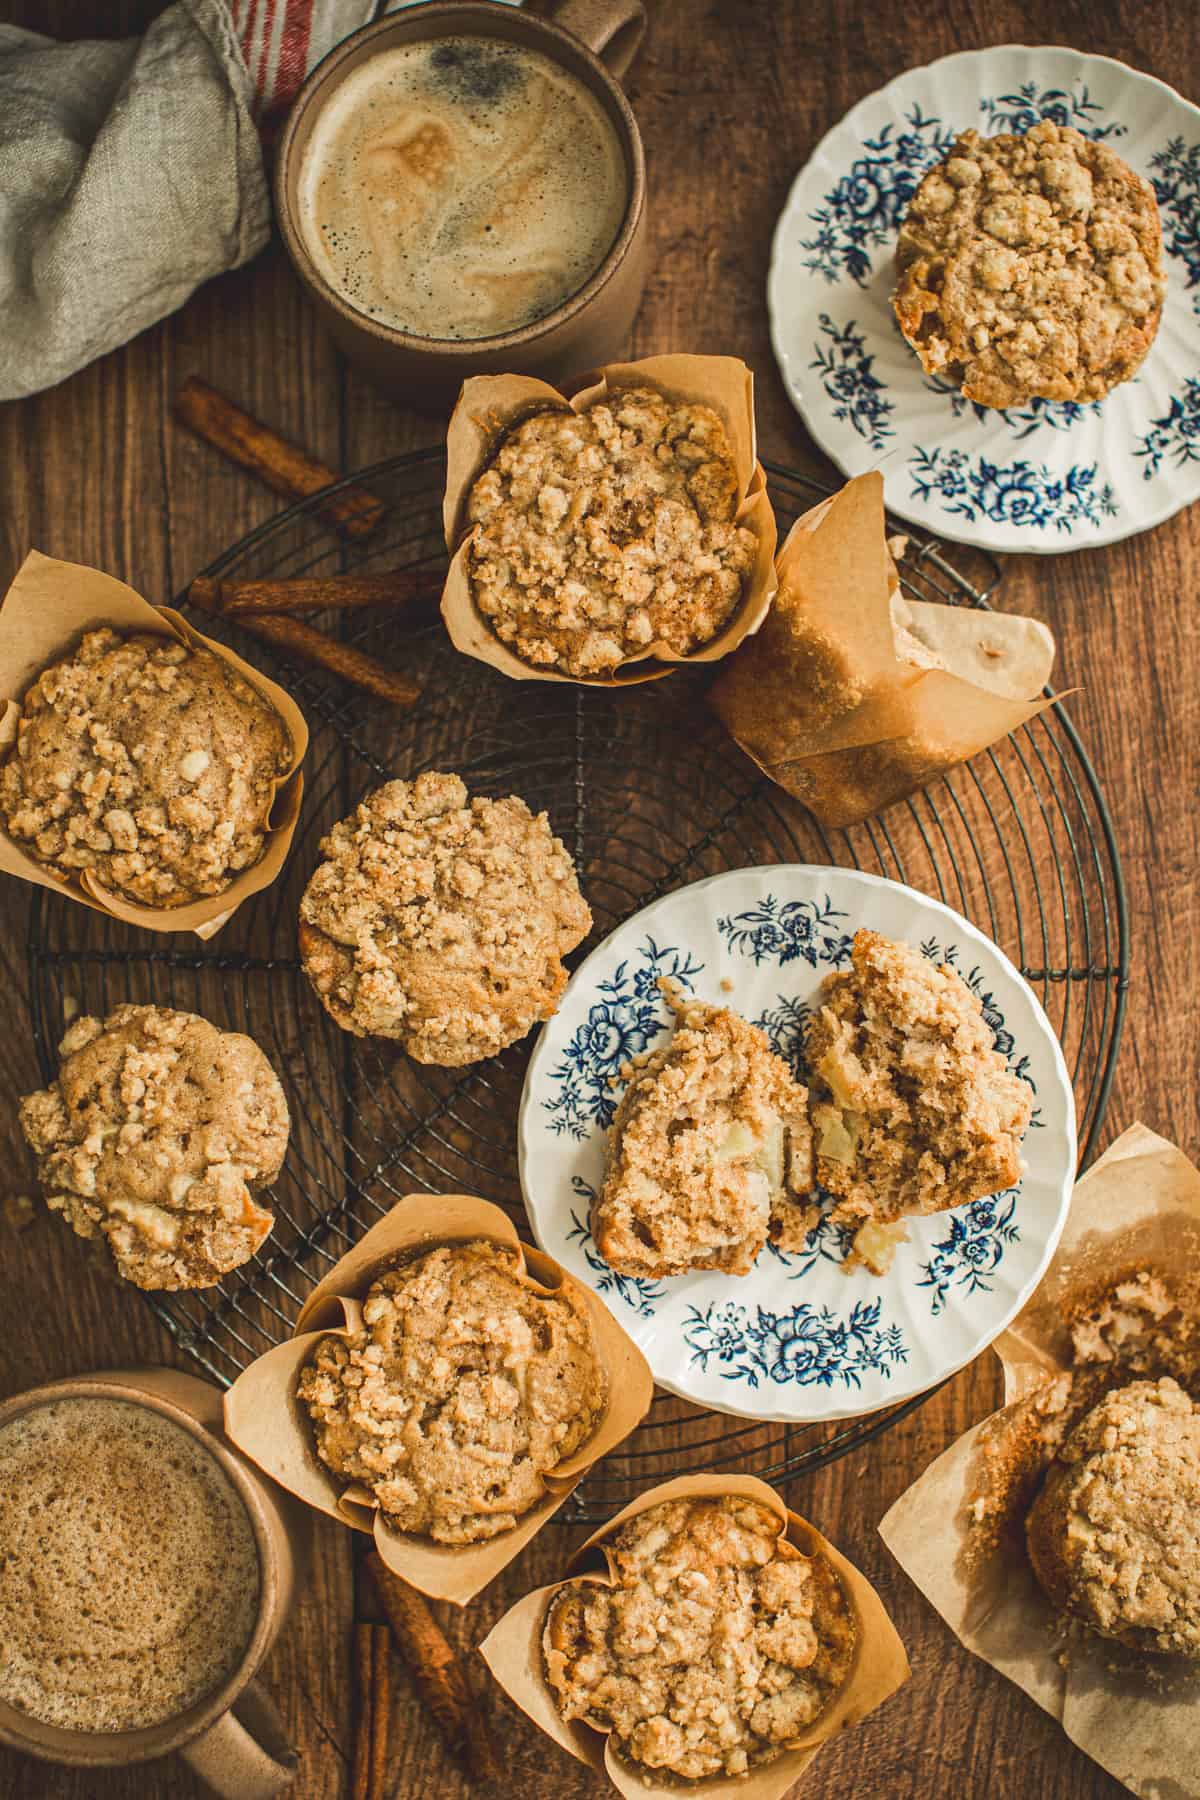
[372, 1687]
[318, 593]
[438, 1675]
[283, 466]
[303, 640]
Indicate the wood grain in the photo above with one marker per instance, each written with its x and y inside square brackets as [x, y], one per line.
[732, 99]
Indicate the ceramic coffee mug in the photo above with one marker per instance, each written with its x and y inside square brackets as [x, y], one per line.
[233, 1738]
[594, 41]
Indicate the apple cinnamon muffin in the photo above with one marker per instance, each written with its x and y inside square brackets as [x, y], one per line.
[466, 1387]
[157, 1136]
[440, 920]
[913, 1108]
[715, 1648]
[710, 1152]
[147, 762]
[599, 534]
[1114, 1532]
[1030, 267]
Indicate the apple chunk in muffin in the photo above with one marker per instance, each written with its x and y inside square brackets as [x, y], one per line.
[913, 1108]
[710, 1153]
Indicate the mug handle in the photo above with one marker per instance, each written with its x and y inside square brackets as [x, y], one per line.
[246, 1758]
[612, 29]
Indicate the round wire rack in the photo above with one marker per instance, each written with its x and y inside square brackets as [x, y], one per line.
[648, 794]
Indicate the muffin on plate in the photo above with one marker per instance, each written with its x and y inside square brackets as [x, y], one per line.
[150, 763]
[1114, 1533]
[440, 920]
[913, 1108]
[710, 1152]
[157, 1136]
[464, 1389]
[715, 1648]
[600, 534]
[1029, 266]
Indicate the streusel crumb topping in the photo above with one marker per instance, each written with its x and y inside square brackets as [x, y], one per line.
[1030, 266]
[717, 1647]
[440, 920]
[1114, 1534]
[155, 1136]
[711, 1152]
[913, 1108]
[147, 762]
[464, 1390]
[601, 533]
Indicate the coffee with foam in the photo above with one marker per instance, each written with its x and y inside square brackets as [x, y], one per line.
[461, 188]
[129, 1571]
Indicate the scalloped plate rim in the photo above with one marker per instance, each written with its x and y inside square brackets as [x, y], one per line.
[823, 438]
[1066, 1130]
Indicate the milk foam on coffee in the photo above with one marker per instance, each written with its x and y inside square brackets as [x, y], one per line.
[461, 188]
[129, 1573]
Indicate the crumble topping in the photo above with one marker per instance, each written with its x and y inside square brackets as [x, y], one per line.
[913, 1109]
[716, 1648]
[441, 921]
[149, 763]
[1113, 1535]
[155, 1136]
[710, 1153]
[1030, 265]
[603, 532]
[464, 1391]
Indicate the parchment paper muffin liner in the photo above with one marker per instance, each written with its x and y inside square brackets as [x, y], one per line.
[513, 1652]
[852, 696]
[959, 1531]
[488, 408]
[44, 614]
[271, 1425]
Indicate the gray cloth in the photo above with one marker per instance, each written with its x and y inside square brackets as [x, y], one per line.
[130, 172]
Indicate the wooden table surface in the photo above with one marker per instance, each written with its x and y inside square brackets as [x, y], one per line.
[732, 96]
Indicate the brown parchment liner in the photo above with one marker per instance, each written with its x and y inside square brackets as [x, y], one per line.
[852, 696]
[44, 614]
[513, 1652]
[270, 1424]
[1137, 1208]
[488, 408]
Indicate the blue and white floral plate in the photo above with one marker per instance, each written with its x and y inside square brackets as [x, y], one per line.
[798, 1338]
[1038, 477]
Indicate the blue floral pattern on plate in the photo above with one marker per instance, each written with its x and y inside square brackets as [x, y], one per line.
[634, 1290]
[969, 1256]
[1103, 469]
[624, 1020]
[1063, 106]
[858, 395]
[1020, 493]
[811, 1346]
[1176, 435]
[864, 208]
[800, 1336]
[1022, 421]
[784, 930]
[1175, 173]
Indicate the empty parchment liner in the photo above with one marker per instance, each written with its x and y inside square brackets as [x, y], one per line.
[488, 408]
[44, 614]
[853, 695]
[269, 1423]
[959, 1531]
[513, 1652]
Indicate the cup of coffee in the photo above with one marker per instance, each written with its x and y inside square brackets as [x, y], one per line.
[462, 191]
[145, 1570]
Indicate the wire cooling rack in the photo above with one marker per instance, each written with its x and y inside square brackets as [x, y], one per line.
[649, 795]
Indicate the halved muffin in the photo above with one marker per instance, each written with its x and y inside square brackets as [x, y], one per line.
[913, 1108]
[710, 1154]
